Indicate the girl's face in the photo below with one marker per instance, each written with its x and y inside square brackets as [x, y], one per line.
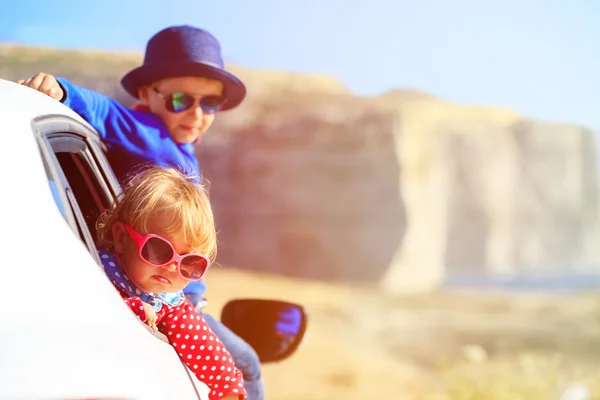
[185, 126]
[146, 276]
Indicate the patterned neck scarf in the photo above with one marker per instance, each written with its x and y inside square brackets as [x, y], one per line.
[120, 279]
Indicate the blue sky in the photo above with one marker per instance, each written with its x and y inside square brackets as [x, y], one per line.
[540, 57]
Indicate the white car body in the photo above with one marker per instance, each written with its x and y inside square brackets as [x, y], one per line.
[65, 332]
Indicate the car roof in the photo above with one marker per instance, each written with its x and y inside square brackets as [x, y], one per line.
[29, 103]
[20, 106]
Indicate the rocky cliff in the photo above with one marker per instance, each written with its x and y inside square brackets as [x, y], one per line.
[399, 189]
[308, 180]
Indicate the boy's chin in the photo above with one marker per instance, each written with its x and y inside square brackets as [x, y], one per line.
[181, 136]
[191, 139]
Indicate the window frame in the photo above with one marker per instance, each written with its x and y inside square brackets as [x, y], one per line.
[63, 134]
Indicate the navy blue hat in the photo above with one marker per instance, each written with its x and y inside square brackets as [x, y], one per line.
[180, 51]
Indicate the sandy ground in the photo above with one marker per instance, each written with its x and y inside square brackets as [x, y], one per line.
[362, 344]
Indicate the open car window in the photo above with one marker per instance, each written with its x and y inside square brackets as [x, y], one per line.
[79, 177]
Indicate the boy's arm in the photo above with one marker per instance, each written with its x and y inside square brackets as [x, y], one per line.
[106, 115]
[114, 123]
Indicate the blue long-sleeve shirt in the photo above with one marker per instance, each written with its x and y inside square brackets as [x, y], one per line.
[133, 138]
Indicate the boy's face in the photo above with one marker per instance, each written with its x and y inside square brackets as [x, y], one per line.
[185, 126]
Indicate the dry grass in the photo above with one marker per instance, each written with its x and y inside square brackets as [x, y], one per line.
[364, 345]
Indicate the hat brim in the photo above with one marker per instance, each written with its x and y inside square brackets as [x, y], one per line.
[235, 90]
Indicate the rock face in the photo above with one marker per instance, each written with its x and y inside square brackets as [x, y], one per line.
[309, 190]
[399, 189]
[528, 192]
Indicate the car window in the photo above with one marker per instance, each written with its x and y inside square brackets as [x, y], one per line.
[82, 184]
[56, 195]
[54, 189]
[79, 168]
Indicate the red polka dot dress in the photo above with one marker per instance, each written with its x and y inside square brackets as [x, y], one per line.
[189, 334]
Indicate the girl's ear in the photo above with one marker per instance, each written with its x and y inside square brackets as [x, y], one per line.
[118, 233]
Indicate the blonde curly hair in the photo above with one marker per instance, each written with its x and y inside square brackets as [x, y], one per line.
[158, 191]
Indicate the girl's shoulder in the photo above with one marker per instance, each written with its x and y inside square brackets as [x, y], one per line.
[107, 257]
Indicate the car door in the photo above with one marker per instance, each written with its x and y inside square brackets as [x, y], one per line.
[82, 183]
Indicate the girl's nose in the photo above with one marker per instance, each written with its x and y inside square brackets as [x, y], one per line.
[171, 267]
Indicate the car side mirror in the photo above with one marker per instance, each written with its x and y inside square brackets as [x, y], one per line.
[273, 328]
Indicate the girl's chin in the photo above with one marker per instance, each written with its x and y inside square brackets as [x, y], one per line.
[154, 286]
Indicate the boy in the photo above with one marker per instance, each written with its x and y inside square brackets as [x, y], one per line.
[180, 87]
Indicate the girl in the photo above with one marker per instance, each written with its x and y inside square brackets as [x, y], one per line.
[159, 237]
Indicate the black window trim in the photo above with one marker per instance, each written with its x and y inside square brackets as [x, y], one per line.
[66, 142]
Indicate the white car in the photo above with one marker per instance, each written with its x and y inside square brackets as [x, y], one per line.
[65, 331]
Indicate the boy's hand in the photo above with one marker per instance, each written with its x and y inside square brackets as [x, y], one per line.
[150, 316]
[44, 83]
